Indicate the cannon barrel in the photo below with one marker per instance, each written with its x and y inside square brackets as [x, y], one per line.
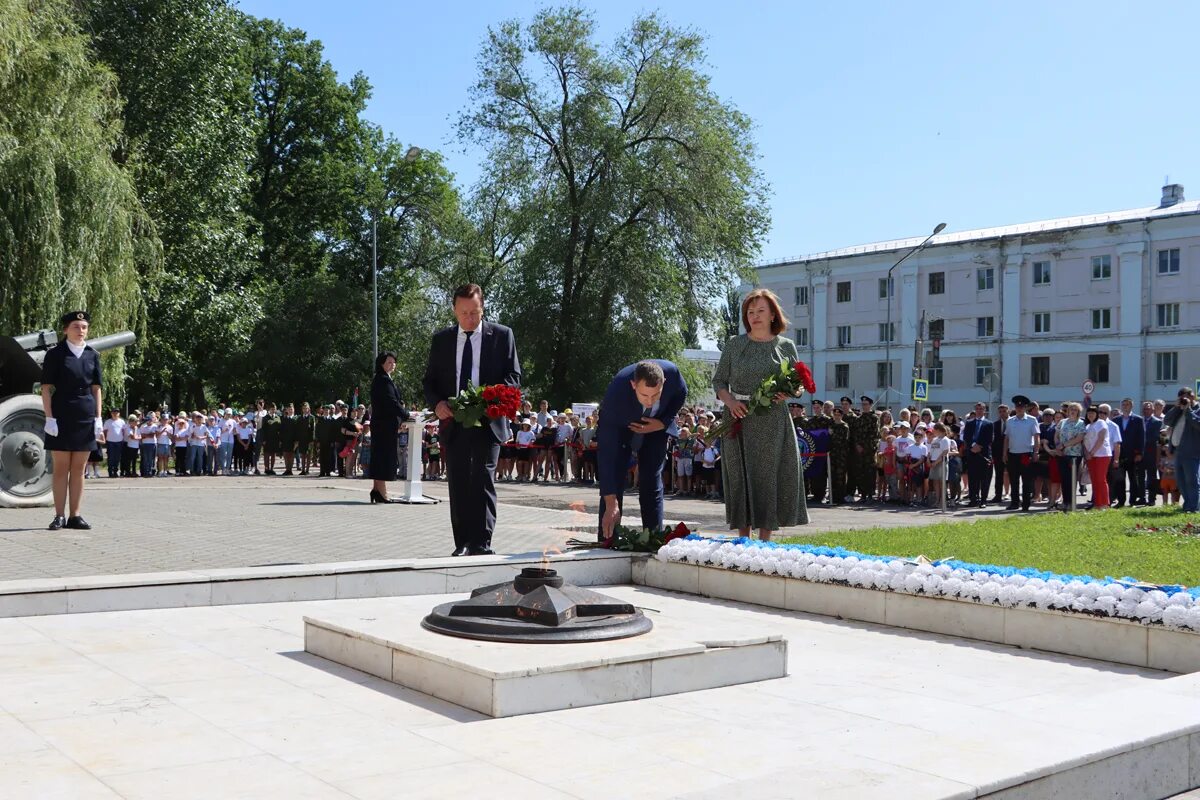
[99, 344]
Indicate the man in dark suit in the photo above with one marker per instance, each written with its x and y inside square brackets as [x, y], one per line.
[478, 353]
[639, 406]
[1153, 424]
[1133, 446]
[999, 429]
[977, 455]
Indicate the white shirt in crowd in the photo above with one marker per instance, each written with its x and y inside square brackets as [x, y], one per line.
[114, 430]
[214, 432]
[1114, 434]
[902, 444]
[1023, 434]
[244, 432]
[942, 445]
[227, 428]
[917, 451]
[565, 432]
[1095, 439]
[149, 433]
[525, 438]
[164, 434]
[182, 432]
[198, 436]
[476, 338]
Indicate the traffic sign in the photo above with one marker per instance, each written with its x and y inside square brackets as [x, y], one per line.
[920, 389]
[1088, 387]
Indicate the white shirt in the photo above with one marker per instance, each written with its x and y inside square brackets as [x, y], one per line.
[164, 434]
[149, 433]
[1023, 434]
[476, 339]
[199, 435]
[114, 430]
[1092, 435]
[564, 432]
[181, 434]
[939, 446]
[244, 432]
[902, 444]
[214, 432]
[1114, 432]
[227, 427]
[917, 451]
[525, 438]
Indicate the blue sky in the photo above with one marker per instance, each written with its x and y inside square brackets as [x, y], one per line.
[874, 121]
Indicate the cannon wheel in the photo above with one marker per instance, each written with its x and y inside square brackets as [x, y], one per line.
[25, 467]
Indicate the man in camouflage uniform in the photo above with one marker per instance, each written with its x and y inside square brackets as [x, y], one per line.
[864, 434]
[818, 420]
[839, 456]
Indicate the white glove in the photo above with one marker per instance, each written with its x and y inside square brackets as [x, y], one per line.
[98, 427]
[51, 426]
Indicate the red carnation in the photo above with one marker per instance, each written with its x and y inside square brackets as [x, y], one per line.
[493, 412]
[806, 377]
[489, 393]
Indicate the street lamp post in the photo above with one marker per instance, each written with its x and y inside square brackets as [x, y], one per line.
[412, 155]
[941, 226]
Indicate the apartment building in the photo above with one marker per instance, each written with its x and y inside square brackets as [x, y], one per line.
[1036, 309]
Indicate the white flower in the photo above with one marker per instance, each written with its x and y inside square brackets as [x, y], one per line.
[989, 592]
[1025, 594]
[1076, 588]
[1016, 580]
[914, 583]
[1008, 595]
[1114, 590]
[896, 565]
[1090, 590]
[942, 571]
[1148, 609]
[827, 573]
[1180, 598]
[857, 576]
[1042, 598]
[1036, 583]
[1174, 617]
[951, 587]
[1133, 593]
[812, 572]
[1158, 597]
[1127, 608]
[1106, 604]
[933, 585]
[1054, 585]
[1193, 617]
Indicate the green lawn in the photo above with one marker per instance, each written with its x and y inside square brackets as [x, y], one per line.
[1092, 543]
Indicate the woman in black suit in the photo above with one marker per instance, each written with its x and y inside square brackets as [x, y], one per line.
[71, 381]
[387, 414]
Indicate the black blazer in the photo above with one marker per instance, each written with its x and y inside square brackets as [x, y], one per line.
[387, 412]
[978, 431]
[1133, 437]
[497, 364]
[998, 439]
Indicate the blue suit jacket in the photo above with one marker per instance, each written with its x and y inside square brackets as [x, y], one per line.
[1133, 436]
[978, 431]
[619, 409]
[1189, 445]
[1153, 429]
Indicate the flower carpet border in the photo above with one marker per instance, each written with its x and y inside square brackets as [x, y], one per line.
[1172, 607]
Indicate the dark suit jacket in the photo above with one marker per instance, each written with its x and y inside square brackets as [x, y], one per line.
[998, 439]
[977, 431]
[1133, 436]
[497, 364]
[1153, 429]
[619, 409]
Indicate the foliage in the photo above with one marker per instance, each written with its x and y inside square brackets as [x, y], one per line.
[73, 233]
[629, 185]
[1098, 543]
[633, 540]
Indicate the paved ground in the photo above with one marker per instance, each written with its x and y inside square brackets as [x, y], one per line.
[187, 523]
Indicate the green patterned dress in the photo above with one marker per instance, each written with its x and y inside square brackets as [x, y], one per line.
[769, 492]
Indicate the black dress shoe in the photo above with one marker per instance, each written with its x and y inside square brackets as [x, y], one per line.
[57, 522]
[462, 551]
[78, 523]
[482, 551]
[1012, 507]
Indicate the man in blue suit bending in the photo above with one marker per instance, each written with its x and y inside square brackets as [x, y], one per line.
[638, 408]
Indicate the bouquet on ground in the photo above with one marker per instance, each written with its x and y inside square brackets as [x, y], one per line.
[474, 403]
[633, 540]
[792, 378]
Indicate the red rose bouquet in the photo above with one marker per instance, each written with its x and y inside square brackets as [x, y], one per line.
[792, 378]
[476, 402]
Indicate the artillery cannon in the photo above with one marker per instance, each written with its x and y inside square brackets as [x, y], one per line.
[25, 464]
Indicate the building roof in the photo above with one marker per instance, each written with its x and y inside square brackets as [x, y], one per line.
[960, 237]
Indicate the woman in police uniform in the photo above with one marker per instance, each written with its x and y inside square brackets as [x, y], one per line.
[71, 380]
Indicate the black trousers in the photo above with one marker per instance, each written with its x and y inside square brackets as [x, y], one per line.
[114, 458]
[1127, 474]
[1000, 468]
[471, 455]
[979, 476]
[816, 485]
[328, 455]
[129, 460]
[1020, 475]
[181, 460]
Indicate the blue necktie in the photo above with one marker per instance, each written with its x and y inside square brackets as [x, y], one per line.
[468, 359]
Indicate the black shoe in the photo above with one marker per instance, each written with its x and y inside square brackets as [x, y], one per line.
[287, 472]
[462, 551]
[1012, 507]
[56, 523]
[78, 523]
[482, 551]
[378, 497]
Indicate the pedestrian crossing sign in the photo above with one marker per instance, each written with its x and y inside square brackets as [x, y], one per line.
[920, 389]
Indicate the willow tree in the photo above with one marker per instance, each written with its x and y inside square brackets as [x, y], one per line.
[646, 202]
[72, 232]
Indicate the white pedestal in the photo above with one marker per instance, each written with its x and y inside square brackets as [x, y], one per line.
[413, 491]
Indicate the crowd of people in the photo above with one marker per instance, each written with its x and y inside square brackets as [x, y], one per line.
[1024, 454]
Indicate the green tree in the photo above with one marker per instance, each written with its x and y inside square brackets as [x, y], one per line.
[637, 182]
[181, 70]
[72, 230]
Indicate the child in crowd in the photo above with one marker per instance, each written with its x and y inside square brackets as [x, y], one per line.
[1167, 483]
[918, 453]
[889, 469]
[684, 459]
[940, 449]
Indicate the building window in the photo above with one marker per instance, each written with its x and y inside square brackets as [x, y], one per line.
[843, 335]
[985, 327]
[1168, 315]
[983, 368]
[1098, 368]
[883, 374]
[937, 329]
[1101, 268]
[985, 278]
[801, 337]
[1039, 371]
[887, 287]
[935, 372]
[841, 376]
[801, 295]
[1041, 273]
[887, 332]
[937, 283]
[1166, 367]
[1101, 319]
[1041, 322]
[843, 291]
[1168, 261]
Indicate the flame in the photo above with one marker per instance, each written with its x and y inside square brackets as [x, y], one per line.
[546, 555]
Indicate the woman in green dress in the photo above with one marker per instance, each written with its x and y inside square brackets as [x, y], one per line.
[764, 486]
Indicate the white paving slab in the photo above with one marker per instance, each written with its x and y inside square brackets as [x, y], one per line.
[88, 710]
